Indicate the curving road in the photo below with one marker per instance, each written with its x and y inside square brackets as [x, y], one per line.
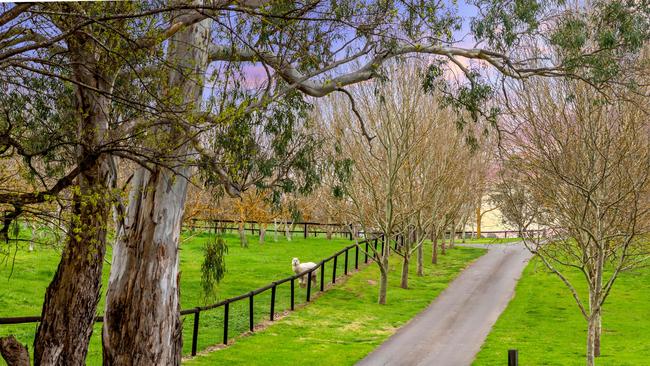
[452, 329]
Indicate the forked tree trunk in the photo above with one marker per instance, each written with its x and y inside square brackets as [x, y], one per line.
[142, 321]
[70, 304]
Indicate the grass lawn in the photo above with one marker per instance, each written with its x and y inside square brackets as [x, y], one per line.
[248, 269]
[544, 323]
[345, 323]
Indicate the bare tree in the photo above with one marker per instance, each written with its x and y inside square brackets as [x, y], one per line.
[584, 164]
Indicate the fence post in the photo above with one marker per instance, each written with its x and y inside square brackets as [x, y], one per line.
[322, 276]
[334, 270]
[365, 260]
[308, 286]
[305, 232]
[513, 357]
[293, 291]
[345, 268]
[356, 257]
[195, 331]
[226, 310]
[273, 301]
[250, 311]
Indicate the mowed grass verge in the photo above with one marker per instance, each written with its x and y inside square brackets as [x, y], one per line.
[345, 323]
[247, 269]
[543, 322]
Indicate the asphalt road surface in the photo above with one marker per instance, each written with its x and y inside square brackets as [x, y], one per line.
[452, 329]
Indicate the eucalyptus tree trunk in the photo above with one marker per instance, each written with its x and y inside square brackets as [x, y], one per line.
[142, 321]
[71, 298]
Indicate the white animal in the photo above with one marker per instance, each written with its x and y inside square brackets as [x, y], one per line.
[302, 267]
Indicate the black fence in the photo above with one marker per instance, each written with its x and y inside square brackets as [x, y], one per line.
[304, 227]
[315, 228]
[352, 256]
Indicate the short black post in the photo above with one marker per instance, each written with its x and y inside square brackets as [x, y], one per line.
[345, 268]
[334, 269]
[273, 301]
[376, 244]
[308, 286]
[305, 232]
[322, 276]
[356, 257]
[293, 291]
[226, 310]
[195, 331]
[250, 312]
[513, 357]
[365, 260]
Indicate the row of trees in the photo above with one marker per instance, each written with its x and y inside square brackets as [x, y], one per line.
[101, 99]
[576, 163]
[410, 171]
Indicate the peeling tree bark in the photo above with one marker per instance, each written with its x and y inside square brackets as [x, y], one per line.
[142, 321]
[71, 298]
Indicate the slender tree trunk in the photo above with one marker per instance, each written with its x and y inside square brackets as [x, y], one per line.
[243, 240]
[598, 333]
[287, 230]
[142, 321]
[275, 230]
[434, 246]
[443, 250]
[328, 230]
[383, 284]
[420, 260]
[478, 222]
[591, 337]
[452, 238]
[71, 298]
[404, 283]
[262, 233]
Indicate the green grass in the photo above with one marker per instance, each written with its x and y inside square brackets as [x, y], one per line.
[544, 323]
[22, 293]
[345, 323]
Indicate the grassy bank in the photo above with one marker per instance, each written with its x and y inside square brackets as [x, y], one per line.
[544, 323]
[345, 323]
[21, 294]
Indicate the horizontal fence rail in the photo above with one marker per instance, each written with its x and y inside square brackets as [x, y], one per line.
[307, 228]
[196, 311]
